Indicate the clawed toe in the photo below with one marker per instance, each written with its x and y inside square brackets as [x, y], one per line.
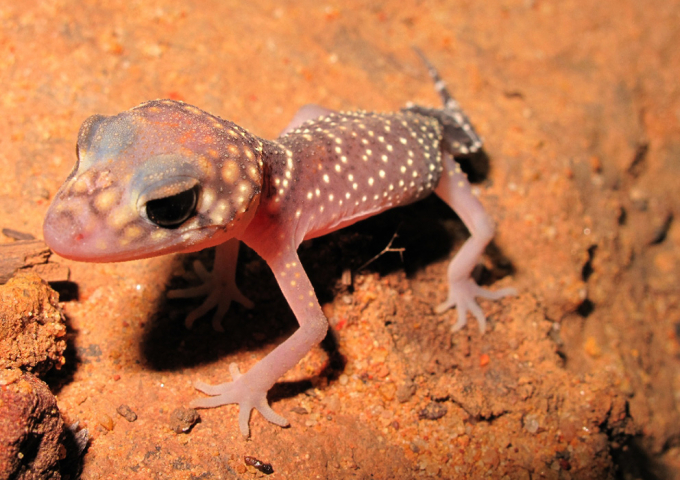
[271, 415]
[462, 295]
[207, 388]
[207, 402]
[241, 392]
[496, 294]
[221, 292]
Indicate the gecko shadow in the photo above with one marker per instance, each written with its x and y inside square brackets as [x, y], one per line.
[424, 232]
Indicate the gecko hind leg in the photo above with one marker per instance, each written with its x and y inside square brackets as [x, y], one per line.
[455, 190]
[219, 286]
[460, 138]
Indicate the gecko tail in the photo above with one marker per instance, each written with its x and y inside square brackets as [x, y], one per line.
[459, 136]
[439, 84]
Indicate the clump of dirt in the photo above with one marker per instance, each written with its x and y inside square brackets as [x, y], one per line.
[32, 325]
[31, 428]
[34, 442]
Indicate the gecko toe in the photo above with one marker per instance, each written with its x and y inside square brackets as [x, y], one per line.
[462, 320]
[207, 402]
[268, 413]
[462, 295]
[207, 388]
[496, 294]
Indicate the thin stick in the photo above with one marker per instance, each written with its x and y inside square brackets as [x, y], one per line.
[388, 248]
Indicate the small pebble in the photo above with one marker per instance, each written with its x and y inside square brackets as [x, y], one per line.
[433, 411]
[531, 423]
[405, 392]
[127, 413]
[106, 421]
[182, 419]
[346, 278]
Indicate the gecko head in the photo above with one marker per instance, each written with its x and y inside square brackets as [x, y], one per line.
[163, 177]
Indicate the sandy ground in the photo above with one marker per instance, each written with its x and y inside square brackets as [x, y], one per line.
[578, 377]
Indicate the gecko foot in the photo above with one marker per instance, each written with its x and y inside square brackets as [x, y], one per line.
[221, 292]
[462, 294]
[240, 391]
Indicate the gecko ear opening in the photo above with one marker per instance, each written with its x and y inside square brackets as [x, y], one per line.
[173, 211]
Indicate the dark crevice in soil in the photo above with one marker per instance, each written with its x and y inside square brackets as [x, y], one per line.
[637, 166]
[632, 462]
[662, 231]
[586, 308]
[587, 269]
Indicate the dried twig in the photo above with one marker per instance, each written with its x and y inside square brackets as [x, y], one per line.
[388, 248]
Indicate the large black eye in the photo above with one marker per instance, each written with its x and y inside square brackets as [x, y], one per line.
[173, 211]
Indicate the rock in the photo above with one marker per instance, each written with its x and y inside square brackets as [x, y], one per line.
[32, 329]
[31, 428]
[182, 419]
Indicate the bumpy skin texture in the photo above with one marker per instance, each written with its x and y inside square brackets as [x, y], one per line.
[167, 177]
[154, 151]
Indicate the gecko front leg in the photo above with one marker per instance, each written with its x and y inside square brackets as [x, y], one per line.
[249, 389]
[219, 286]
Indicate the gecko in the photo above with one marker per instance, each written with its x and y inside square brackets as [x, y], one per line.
[167, 177]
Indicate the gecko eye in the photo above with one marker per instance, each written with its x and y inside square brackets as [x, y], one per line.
[173, 211]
